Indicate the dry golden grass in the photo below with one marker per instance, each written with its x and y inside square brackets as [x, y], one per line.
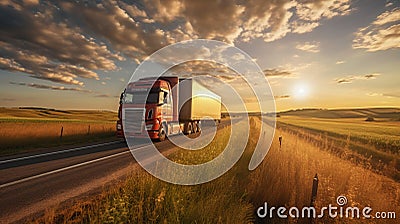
[23, 129]
[285, 179]
[31, 113]
[16, 136]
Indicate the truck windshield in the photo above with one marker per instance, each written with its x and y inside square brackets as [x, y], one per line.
[140, 96]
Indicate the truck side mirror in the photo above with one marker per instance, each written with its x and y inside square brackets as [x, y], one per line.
[121, 98]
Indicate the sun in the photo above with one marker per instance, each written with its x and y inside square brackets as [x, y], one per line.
[301, 91]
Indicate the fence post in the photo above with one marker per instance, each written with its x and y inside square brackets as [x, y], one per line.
[280, 141]
[88, 131]
[314, 190]
[61, 133]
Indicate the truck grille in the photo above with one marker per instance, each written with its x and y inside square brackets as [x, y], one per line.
[133, 120]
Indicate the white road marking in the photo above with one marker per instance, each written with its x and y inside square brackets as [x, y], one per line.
[57, 152]
[65, 168]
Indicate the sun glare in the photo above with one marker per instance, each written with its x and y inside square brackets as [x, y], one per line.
[301, 91]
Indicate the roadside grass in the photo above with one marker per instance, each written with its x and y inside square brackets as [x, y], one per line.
[142, 198]
[24, 130]
[17, 137]
[285, 179]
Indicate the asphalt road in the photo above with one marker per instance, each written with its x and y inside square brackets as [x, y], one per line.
[31, 184]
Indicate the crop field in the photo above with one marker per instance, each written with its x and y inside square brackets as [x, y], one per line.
[383, 134]
[24, 130]
[283, 179]
[45, 114]
[375, 143]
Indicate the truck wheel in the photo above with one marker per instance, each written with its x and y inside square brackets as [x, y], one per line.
[161, 134]
[189, 128]
[196, 126]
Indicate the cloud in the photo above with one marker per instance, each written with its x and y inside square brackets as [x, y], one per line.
[312, 47]
[303, 27]
[282, 97]
[351, 78]
[314, 10]
[388, 95]
[388, 4]
[374, 94]
[42, 45]
[284, 71]
[382, 34]
[277, 73]
[266, 19]
[218, 20]
[340, 62]
[370, 76]
[121, 25]
[391, 95]
[204, 68]
[41, 86]
[31, 2]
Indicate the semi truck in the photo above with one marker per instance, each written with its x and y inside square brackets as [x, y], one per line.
[172, 106]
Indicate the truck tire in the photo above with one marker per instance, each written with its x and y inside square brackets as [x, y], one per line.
[162, 135]
[188, 128]
[197, 126]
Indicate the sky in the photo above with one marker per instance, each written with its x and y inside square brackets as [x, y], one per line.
[314, 53]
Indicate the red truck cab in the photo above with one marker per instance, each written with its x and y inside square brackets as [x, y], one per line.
[152, 100]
